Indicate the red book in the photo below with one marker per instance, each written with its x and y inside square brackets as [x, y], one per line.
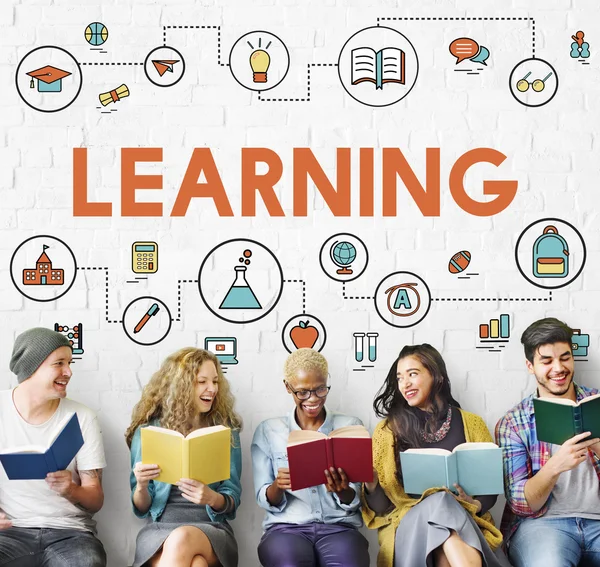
[311, 452]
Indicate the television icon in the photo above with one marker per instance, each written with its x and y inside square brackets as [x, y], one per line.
[224, 348]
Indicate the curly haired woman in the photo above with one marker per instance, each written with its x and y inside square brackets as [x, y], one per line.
[188, 522]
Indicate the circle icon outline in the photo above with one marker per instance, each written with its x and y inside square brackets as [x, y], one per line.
[302, 315]
[205, 301]
[78, 67]
[344, 280]
[232, 66]
[510, 78]
[563, 284]
[51, 298]
[148, 57]
[340, 72]
[407, 274]
[153, 299]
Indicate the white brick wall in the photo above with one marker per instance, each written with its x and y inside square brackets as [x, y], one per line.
[552, 151]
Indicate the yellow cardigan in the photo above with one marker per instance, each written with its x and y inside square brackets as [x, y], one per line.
[385, 464]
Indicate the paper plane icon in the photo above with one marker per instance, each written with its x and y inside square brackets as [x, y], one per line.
[164, 65]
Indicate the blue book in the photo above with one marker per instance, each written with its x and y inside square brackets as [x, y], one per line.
[33, 462]
[475, 467]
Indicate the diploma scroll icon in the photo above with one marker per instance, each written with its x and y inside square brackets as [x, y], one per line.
[154, 309]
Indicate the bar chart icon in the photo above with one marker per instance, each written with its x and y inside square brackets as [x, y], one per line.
[495, 332]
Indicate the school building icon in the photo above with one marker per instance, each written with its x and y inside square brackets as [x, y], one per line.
[43, 274]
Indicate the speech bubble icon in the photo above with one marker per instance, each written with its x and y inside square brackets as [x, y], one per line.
[482, 56]
[463, 48]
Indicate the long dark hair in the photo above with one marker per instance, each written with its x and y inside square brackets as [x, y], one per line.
[403, 419]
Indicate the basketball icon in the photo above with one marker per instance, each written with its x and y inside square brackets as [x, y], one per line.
[459, 262]
[96, 33]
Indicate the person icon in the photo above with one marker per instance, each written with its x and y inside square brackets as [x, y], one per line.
[579, 48]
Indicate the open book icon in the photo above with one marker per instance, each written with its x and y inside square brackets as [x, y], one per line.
[34, 462]
[378, 67]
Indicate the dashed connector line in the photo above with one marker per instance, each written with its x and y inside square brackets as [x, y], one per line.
[466, 18]
[179, 282]
[106, 291]
[353, 296]
[218, 28]
[529, 299]
[303, 292]
[112, 63]
[307, 98]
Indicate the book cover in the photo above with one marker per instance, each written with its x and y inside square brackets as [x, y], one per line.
[35, 462]
[379, 67]
[476, 467]
[311, 452]
[203, 455]
[559, 419]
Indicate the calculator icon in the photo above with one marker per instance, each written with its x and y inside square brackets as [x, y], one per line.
[144, 257]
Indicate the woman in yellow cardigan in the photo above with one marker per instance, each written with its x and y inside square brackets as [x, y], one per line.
[437, 529]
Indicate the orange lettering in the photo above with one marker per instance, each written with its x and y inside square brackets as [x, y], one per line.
[263, 184]
[130, 182]
[81, 206]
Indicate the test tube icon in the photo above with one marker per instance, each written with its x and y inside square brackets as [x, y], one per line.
[372, 341]
[359, 346]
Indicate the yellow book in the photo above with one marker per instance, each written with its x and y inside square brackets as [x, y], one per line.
[203, 455]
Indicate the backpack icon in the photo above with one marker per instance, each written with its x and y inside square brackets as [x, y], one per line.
[550, 255]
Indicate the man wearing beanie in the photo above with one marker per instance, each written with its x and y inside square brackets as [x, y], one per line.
[48, 522]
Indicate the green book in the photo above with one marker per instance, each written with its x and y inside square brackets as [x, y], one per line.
[559, 419]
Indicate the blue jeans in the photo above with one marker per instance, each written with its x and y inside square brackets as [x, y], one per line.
[49, 547]
[556, 542]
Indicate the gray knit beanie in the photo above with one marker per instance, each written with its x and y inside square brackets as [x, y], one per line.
[31, 348]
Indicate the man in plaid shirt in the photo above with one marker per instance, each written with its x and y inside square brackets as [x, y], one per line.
[552, 514]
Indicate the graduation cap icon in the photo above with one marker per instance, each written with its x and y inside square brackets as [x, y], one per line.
[49, 79]
[164, 65]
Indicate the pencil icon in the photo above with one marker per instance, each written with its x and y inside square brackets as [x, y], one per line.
[154, 309]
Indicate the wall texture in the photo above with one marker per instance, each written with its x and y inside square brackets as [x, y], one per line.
[552, 151]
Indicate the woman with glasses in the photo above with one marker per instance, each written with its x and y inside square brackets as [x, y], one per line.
[317, 525]
[437, 528]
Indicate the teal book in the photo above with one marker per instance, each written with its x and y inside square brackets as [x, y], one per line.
[34, 462]
[475, 467]
[378, 67]
[559, 419]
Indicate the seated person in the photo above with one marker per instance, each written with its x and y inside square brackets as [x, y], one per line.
[315, 526]
[552, 514]
[439, 528]
[187, 522]
[48, 522]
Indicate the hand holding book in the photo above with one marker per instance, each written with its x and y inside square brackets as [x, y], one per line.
[462, 495]
[61, 482]
[144, 474]
[572, 453]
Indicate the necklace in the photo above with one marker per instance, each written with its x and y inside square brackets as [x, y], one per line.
[441, 432]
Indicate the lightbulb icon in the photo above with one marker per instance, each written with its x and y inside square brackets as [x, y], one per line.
[259, 61]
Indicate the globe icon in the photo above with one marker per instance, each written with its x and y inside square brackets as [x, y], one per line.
[343, 254]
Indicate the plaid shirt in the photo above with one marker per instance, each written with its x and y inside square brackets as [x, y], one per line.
[523, 456]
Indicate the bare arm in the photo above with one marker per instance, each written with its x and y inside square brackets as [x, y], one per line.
[89, 495]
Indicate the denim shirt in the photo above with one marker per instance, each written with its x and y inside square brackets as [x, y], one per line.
[159, 491]
[314, 504]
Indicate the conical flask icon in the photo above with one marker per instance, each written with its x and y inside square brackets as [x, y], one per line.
[240, 294]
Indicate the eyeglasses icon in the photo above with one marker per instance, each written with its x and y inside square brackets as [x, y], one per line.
[538, 85]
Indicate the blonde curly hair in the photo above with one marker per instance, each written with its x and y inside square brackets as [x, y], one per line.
[305, 359]
[169, 396]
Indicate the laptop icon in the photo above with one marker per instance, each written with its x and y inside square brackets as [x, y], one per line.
[224, 348]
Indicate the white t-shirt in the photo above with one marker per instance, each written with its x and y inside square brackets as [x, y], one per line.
[32, 503]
